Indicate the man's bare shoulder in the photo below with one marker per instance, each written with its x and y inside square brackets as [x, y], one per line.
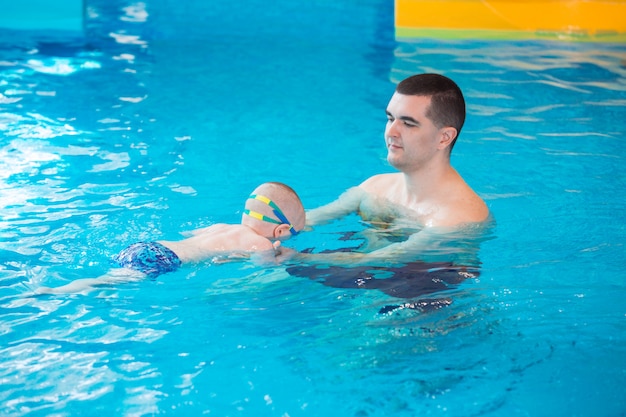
[379, 182]
[463, 208]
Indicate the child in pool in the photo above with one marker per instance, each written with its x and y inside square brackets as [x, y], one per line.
[264, 224]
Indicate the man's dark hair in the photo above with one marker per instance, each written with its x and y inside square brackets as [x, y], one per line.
[447, 105]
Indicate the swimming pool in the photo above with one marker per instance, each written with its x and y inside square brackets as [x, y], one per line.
[168, 114]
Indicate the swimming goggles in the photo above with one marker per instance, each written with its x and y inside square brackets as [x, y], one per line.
[282, 219]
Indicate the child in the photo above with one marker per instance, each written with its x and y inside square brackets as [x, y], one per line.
[273, 212]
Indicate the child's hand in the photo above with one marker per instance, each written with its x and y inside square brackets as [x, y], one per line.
[284, 254]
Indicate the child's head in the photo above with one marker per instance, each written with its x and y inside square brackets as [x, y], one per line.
[275, 211]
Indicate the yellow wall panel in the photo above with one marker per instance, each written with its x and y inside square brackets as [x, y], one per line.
[573, 19]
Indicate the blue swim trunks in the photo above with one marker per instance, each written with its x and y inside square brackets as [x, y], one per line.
[151, 258]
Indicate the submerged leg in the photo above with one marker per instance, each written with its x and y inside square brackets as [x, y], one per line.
[115, 276]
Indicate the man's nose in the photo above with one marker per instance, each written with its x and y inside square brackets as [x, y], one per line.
[392, 129]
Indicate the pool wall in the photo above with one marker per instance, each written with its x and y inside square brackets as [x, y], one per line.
[510, 19]
[496, 19]
[62, 15]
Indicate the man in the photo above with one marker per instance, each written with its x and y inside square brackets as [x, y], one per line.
[424, 118]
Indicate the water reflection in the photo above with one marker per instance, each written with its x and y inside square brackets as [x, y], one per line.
[145, 144]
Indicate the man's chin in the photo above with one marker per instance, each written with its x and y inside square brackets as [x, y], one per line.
[393, 161]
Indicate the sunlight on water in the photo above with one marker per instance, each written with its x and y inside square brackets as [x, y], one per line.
[163, 119]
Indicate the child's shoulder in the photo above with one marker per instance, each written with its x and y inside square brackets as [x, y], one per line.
[214, 228]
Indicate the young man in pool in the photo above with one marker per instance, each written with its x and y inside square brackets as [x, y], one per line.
[272, 213]
[424, 118]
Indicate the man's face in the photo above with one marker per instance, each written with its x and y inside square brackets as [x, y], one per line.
[411, 138]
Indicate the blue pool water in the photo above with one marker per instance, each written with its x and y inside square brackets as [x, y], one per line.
[167, 114]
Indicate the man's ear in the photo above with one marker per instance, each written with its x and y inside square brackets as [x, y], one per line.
[447, 136]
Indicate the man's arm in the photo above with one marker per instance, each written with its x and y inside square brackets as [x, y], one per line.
[409, 250]
[456, 244]
[347, 203]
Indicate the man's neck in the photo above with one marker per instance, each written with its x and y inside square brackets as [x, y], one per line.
[428, 182]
